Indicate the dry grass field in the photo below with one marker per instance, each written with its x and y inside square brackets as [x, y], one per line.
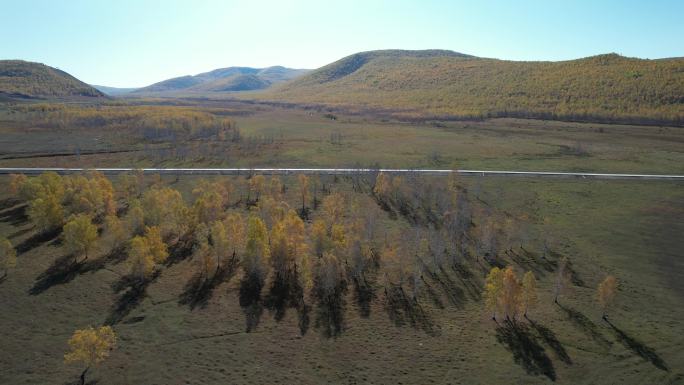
[171, 333]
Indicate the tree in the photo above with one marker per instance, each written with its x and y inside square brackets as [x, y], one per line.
[145, 252]
[510, 293]
[257, 251]
[8, 255]
[256, 185]
[157, 248]
[606, 294]
[493, 289]
[303, 182]
[319, 237]
[529, 292]
[114, 231]
[276, 188]
[90, 347]
[80, 235]
[140, 258]
[383, 186]
[220, 244]
[135, 217]
[235, 232]
[46, 212]
[333, 207]
[562, 279]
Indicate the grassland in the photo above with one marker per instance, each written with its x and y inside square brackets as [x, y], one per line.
[281, 137]
[629, 229]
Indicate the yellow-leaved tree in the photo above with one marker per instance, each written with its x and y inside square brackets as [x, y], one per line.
[8, 255]
[46, 212]
[303, 182]
[235, 232]
[606, 294]
[510, 293]
[383, 186]
[529, 292]
[89, 347]
[80, 235]
[257, 251]
[145, 252]
[493, 288]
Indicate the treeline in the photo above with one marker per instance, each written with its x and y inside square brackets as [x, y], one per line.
[152, 123]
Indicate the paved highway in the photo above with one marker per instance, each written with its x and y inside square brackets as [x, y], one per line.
[341, 171]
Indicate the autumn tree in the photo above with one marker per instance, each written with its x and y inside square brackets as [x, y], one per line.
[89, 347]
[46, 212]
[275, 188]
[145, 252]
[115, 232]
[303, 182]
[235, 233]
[319, 237]
[562, 281]
[493, 289]
[606, 294]
[135, 217]
[529, 292]
[165, 208]
[329, 279]
[383, 186]
[257, 251]
[80, 235]
[256, 186]
[8, 255]
[333, 208]
[510, 293]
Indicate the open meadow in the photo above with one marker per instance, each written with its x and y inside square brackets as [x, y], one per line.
[406, 306]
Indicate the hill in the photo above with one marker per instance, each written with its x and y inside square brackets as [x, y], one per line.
[113, 91]
[452, 85]
[28, 80]
[225, 80]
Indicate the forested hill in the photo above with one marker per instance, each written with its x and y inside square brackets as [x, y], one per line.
[22, 79]
[448, 84]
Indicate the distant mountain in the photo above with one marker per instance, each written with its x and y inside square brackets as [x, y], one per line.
[27, 80]
[449, 84]
[113, 91]
[229, 79]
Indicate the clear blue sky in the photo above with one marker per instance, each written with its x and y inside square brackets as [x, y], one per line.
[134, 42]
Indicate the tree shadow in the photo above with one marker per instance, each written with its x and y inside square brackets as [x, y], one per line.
[454, 293]
[639, 348]
[330, 310]
[586, 325]
[403, 310]
[63, 270]
[134, 291]
[250, 301]
[472, 285]
[527, 352]
[180, 250]
[13, 214]
[199, 290]
[364, 294]
[38, 239]
[434, 297]
[287, 292]
[549, 338]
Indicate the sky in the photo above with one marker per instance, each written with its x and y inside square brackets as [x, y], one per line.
[133, 43]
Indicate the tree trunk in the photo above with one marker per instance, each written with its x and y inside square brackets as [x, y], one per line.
[83, 375]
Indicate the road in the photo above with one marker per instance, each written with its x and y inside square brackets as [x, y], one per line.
[343, 171]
